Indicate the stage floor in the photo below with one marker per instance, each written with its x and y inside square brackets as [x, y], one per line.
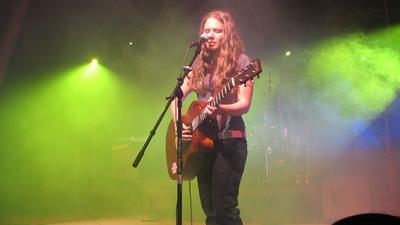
[120, 221]
[135, 221]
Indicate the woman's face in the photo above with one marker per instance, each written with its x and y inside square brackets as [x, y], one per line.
[215, 31]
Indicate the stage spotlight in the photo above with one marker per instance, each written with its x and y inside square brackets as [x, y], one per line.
[91, 69]
[93, 65]
[94, 62]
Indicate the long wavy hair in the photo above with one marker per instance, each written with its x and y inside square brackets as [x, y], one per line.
[226, 62]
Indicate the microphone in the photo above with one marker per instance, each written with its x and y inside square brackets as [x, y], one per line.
[203, 38]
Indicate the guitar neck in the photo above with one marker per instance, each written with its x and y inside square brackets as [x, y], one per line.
[215, 102]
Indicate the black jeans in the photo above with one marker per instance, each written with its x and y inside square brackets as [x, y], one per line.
[219, 180]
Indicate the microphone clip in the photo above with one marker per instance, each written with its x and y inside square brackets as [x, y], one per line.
[203, 38]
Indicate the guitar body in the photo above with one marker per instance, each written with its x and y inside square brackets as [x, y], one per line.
[194, 150]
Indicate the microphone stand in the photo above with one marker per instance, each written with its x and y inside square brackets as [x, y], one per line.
[176, 93]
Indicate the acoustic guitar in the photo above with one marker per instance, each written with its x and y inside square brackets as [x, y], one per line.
[203, 128]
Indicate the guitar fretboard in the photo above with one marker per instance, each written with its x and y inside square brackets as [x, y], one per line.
[215, 102]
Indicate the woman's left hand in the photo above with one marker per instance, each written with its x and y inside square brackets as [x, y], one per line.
[211, 110]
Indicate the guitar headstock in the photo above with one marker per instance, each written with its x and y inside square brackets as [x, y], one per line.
[248, 72]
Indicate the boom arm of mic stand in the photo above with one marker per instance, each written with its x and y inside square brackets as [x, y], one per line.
[184, 73]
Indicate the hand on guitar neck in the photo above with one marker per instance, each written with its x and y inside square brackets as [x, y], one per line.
[211, 111]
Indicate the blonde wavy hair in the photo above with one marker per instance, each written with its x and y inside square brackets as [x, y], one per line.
[226, 63]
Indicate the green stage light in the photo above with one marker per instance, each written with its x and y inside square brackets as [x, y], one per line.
[91, 70]
[359, 73]
[94, 62]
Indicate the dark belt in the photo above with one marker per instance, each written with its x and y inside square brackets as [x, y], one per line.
[231, 134]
